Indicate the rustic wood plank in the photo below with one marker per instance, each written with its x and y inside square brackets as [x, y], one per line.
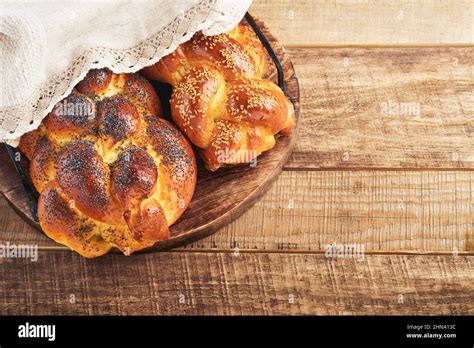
[248, 284]
[417, 211]
[349, 108]
[336, 22]
[422, 211]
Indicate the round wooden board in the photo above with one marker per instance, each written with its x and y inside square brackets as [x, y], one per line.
[220, 196]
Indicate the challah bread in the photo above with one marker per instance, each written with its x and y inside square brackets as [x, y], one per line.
[220, 99]
[110, 172]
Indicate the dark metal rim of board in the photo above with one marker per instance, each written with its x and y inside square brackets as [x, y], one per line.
[208, 228]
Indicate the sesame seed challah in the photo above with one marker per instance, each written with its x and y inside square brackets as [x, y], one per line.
[220, 99]
[109, 171]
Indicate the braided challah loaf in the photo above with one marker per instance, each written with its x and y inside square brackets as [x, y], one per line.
[110, 172]
[220, 99]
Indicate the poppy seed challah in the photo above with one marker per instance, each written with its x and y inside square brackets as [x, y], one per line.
[220, 99]
[109, 171]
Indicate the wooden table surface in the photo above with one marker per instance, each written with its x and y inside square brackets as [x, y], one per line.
[384, 160]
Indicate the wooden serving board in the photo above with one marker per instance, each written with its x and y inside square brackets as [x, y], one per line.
[221, 196]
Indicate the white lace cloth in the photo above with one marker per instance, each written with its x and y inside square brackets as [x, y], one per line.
[46, 48]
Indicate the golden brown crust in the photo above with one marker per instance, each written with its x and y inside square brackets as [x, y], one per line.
[66, 225]
[95, 83]
[83, 177]
[116, 177]
[141, 94]
[170, 68]
[192, 101]
[178, 172]
[220, 100]
[72, 117]
[42, 163]
[148, 223]
[133, 177]
[222, 52]
[252, 46]
[29, 141]
[257, 103]
[117, 119]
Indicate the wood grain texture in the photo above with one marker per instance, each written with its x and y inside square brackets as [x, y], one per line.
[387, 211]
[350, 98]
[248, 284]
[385, 22]
[418, 211]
